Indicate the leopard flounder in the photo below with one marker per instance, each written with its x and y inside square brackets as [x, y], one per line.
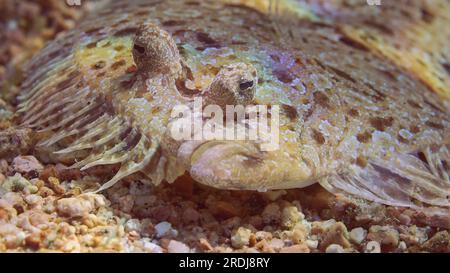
[102, 94]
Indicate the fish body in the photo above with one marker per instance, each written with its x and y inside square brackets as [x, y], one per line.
[103, 93]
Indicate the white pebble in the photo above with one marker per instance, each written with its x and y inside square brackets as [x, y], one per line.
[373, 247]
[334, 248]
[177, 247]
[151, 247]
[133, 225]
[163, 229]
[276, 243]
[312, 243]
[357, 235]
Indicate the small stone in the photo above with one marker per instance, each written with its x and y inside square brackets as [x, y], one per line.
[276, 244]
[133, 225]
[299, 233]
[334, 248]
[177, 247]
[80, 205]
[33, 199]
[55, 185]
[291, 216]
[313, 244]
[126, 203]
[385, 235]
[16, 183]
[440, 242]
[151, 247]
[336, 234]
[300, 248]
[190, 215]
[373, 247]
[33, 241]
[163, 229]
[205, 245]
[271, 214]
[241, 237]
[263, 235]
[357, 235]
[225, 210]
[26, 164]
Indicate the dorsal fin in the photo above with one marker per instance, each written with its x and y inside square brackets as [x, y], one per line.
[405, 180]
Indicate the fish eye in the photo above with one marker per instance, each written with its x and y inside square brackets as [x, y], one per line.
[245, 85]
[139, 49]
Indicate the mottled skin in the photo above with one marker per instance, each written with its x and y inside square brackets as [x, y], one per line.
[350, 120]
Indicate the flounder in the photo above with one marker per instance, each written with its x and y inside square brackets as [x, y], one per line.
[350, 119]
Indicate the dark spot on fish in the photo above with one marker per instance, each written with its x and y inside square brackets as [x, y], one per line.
[205, 39]
[67, 82]
[434, 125]
[118, 64]
[353, 112]
[299, 62]
[53, 54]
[156, 110]
[275, 58]
[321, 99]
[427, 16]
[172, 23]
[141, 13]
[422, 157]
[364, 137]
[361, 161]
[92, 30]
[381, 124]
[432, 105]
[318, 136]
[291, 111]
[414, 129]
[389, 74]
[98, 65]
[126, 31]
[446, 66]
[101, 74]
[319, 63]
[342, 74]
[91, 45]
[119, 48]
[414, 104]
[243, 8]
[283, 76]
[378, 96]
[192, 3]
[131, 69]
[353, 43]
[379, 26]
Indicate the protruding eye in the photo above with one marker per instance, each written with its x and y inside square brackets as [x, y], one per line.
[245, 85]
[139, 49]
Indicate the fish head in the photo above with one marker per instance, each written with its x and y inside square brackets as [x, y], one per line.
[233, 131]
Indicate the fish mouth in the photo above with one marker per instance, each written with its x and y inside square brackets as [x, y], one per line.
[240, 165]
